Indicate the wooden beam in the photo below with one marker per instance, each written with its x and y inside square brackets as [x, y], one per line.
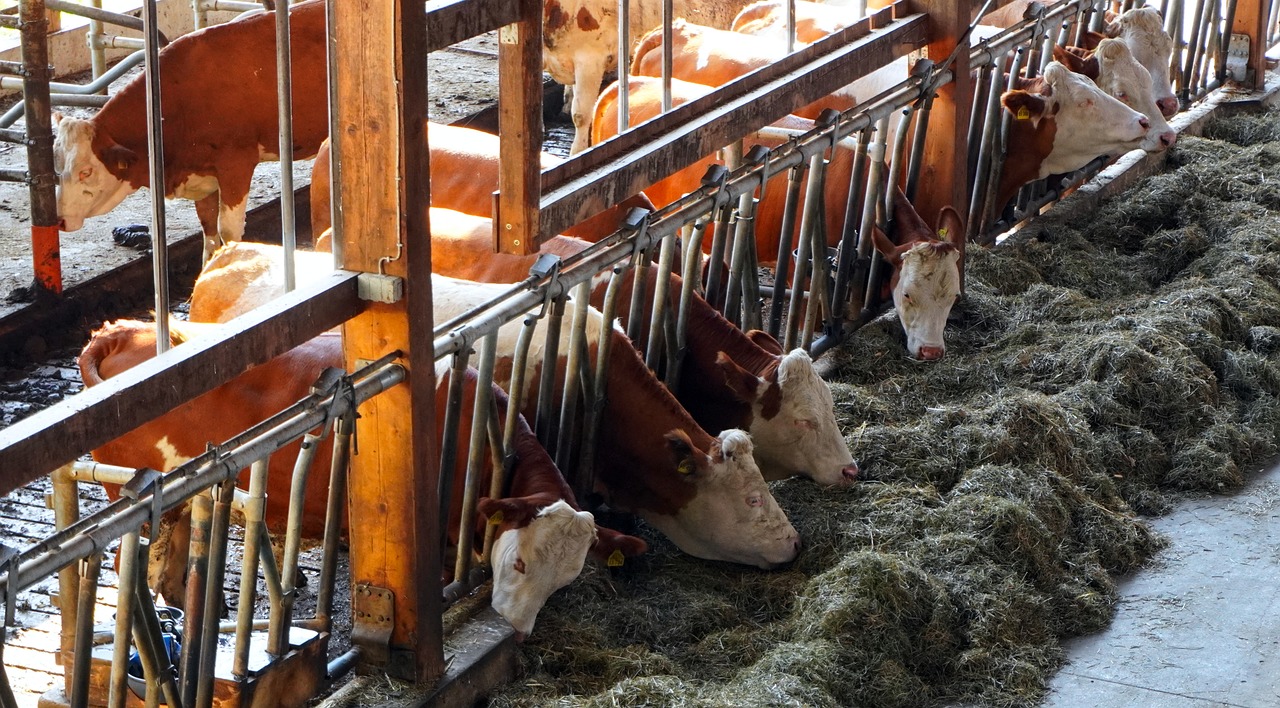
[944, 173]
[624, 165]
[452, 21]
[515, 224]
[1251, 20]
[37, 445]
[381, 111]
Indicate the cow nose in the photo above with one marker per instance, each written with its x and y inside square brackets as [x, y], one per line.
[1168, 138]
[520, 637]
[850, 472]
[1145, 123]
[1168, 106]
[931, 353]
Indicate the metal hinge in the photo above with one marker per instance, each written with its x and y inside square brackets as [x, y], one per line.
[1238, 69]
[373, 617]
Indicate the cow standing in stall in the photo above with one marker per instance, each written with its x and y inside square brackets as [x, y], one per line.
[543, 537]
[219, 121]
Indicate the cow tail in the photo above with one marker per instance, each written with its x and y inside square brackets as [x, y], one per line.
[652, 41]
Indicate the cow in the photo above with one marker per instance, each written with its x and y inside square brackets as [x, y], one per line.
[219, 121]
[1112, 66]
[928, 273]
[580, 45]
[464, 175]
[543, 536]
[728, 380]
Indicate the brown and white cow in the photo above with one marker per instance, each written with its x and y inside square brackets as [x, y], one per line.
[1112, 66]
[768, 18]
[928, 274]
[220, 121]
[728, 380]
[464, 175]
[543, 536]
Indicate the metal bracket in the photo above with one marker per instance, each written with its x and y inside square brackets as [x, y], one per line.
[373, 287]
[374, 618]
[1238, 59]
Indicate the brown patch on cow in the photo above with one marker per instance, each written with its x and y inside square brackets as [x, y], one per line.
[771, 401]
[586, 22]
[553, 17]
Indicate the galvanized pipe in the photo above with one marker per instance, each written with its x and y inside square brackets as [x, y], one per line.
[344, 428]
[572, 379]
[661, 289]
[45, 249]
[851, 268]
[97, 85]
[916, 157]
[668, 15]
[986, 147]
[96, 13]
[1193, 48]
[782, 271]
[208, 639]
[82, 652]
[1220, 74]
[128, 555]
[66, 511]
[624, 66]
[691, 245]
[194, 607]
[97, 57]
[282, 616]
[449, 441]
[808, 222]
[546, 425]
[155, 151]
[284, 95]
[640, 267]
[343, 663]
[97, 43]
[156, 666]
[255, 509]
[717, 272]
[870, 204]
[475, 456]
[585, 481]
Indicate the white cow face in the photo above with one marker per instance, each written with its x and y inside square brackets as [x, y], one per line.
[1124, 78]
[1142, 30]
[1089, 122]
[533, 561]
[85, 186]
[732, 516]
[793, 423]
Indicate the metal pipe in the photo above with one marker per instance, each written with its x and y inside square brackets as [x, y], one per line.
[254, 519]
[870, 204]
[45, 250]
[808, 222]
[284, 95]
[640, 268]
[343, 663]
[719, 245]
[476, 456]
[572, 368]
[66, 511]
[658, 313]
[128, 557]
[95, 12]
[97, 57]
[850, 281]
[228, 5]
[97, 85]
[82, 653]
[155, 149]
[1193, 50]
[978, 197]
[546, 424]
[113, 41]
[156, 666]
[691, 244]
[624, 65]
[344, 428]
[782, 271]
[282, 616]
[197, 579]
[668, 16]
[585, 482]
[449, 441]
[335, 138]
[222, 496]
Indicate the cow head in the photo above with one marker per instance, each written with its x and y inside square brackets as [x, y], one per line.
[793, 422]
[1087, 122]
[731, 515]
[89, 168]
[928, 274]
[1142, 29]
[1115, 70]
[541, 550]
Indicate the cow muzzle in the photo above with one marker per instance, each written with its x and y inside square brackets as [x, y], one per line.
[928, 353]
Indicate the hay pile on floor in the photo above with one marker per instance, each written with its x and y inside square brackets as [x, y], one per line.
[1100, 363]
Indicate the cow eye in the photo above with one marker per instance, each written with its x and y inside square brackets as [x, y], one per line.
[86, 173]
[755, 500]
[806, 424]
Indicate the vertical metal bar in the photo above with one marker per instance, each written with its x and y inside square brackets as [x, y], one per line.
[66, 511]
[573, 365]
[449, 443]
[635, 310]
[717, 275]
[156, 665]
[981, 172]
[82, 655]
[200, 16]
[808, 222]
[915, 159]
[661, 288]
[282, 617]
[1193, 49]
[875, 183]
[1224, 41]
[782, 273]
[335, 138]
[97, 55]
[222, 496]
[344, 427]
[197, 578]
[791, 26]
[117, 692]
[254, 519]
[624, 65]
[584, 482]
[155, 149]
[547, 425]
[476, 454]
[668, 15]
[45, 249]
[691, 242]
[744, 288]
[850, 280]
[977, 122]
[284, 89]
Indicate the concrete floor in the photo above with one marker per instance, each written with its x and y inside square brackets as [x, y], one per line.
[1201, 626]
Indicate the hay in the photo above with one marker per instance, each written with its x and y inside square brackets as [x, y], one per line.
[1101, 364]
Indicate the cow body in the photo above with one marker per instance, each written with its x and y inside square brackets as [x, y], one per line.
[464, 175]
[539, 497]
[220, 121]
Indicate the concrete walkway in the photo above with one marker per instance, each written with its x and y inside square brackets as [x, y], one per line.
[1201, 626]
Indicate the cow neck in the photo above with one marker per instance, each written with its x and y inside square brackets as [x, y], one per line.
[1029, 145]
[635, 464]
[702, 383]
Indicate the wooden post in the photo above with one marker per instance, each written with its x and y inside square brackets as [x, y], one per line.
[944, 177]
[1251, 20]
[520, 129]
[381, 111]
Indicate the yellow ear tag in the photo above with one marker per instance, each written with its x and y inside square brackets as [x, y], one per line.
[615, 559]
[496, 518]
[942, 233]
[686, 467]
[1023, 114]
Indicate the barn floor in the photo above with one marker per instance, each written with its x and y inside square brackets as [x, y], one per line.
[1201, 626]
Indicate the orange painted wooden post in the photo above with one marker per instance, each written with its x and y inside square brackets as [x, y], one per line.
[1251, 20]
[943, 177]
[381, 108]
[520, 128]
[45, 248]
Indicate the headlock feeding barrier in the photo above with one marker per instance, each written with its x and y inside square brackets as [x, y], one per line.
[939, 132]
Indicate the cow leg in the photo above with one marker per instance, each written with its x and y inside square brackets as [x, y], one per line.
[207, 212]
[231, 221]
[587, 76]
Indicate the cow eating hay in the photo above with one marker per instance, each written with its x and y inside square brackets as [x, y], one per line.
[1103, 362]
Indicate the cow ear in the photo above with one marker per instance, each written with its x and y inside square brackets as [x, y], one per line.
[57, 118]
[119, 158]
[765, 341]
[952, 228]
[743, 383]
[1024, 105]
[1076, 63]
[611, 546]
[907, 220]
[887, 248]
[686, 456]
[516, 511]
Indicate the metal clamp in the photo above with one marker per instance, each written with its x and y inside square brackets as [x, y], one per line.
[373, 618]
[147, 480]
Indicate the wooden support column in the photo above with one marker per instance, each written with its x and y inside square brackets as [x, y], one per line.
[520, 130]
[381, 107]
[1251, 20]
[943, 177]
